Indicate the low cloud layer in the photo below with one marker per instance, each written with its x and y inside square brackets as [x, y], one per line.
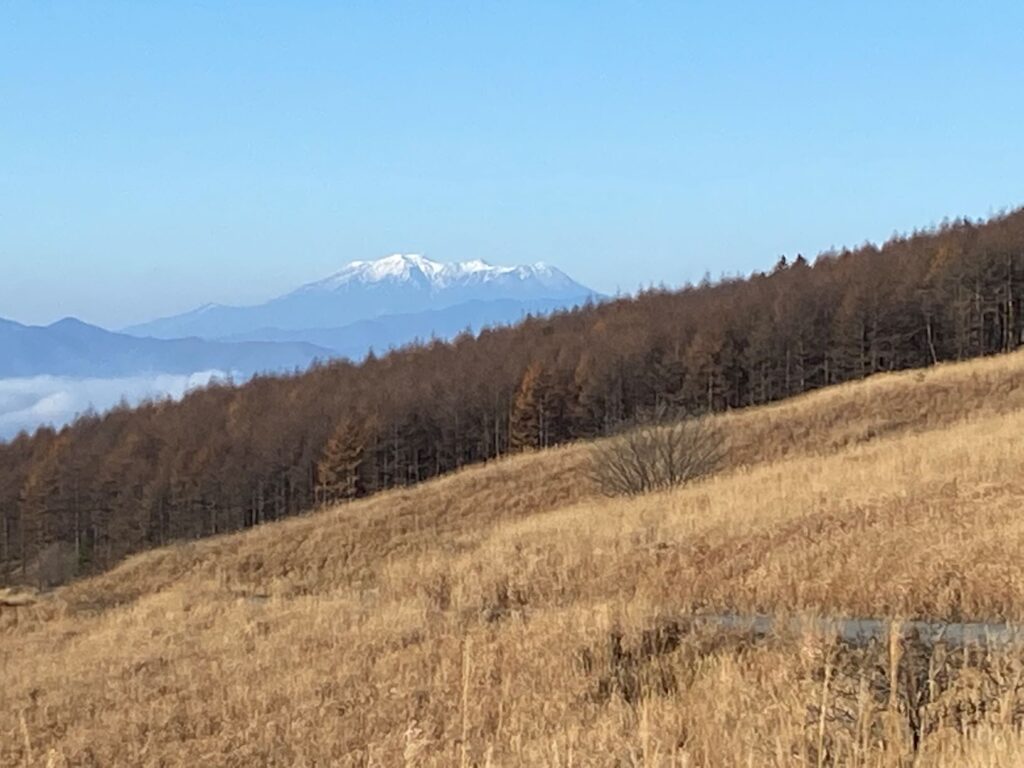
[55, 400]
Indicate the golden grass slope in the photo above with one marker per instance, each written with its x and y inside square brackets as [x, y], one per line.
[502, 615]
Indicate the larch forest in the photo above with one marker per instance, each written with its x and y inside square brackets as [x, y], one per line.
[76, 501]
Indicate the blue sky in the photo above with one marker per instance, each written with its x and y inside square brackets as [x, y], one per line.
[155, 156]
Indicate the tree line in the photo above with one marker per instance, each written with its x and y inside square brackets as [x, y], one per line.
[226, 457]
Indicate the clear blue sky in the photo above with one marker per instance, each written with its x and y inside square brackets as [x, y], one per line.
[155, 156]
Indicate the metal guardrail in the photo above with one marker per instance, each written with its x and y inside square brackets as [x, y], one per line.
[861, 631]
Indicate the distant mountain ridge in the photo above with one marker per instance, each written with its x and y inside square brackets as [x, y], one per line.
[70, 347]
[364, 290]
[380, 334]
[49, 373]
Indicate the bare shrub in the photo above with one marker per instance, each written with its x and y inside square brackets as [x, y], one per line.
[657, 450]
[56, 565]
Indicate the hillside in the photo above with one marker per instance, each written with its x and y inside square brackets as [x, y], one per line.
[77, 502]
[507, 615]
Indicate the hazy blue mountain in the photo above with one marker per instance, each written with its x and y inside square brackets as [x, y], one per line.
[365, 290]
[390, 331]
[72, 348]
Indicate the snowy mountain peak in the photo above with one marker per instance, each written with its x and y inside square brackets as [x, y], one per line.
[435, 275]
[397, 268]
[399, 284]
[398, 265]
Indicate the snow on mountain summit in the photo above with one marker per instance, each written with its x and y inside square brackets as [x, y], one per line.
[436, 275]
[398, 266]
[399, 284]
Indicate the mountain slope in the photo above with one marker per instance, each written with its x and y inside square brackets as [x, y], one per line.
[393, 331]
[398, 284]
[228, 458]
[70, 347]
[506, 615]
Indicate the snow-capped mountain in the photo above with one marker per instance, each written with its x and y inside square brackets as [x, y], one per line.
[439, 277]
[55, 371]
[365, 290]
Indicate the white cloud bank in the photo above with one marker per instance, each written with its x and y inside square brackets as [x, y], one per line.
[55, 400]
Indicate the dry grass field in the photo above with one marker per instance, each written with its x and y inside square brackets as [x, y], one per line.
[509, 616]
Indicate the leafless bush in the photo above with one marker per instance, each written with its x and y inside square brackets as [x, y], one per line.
[660, 449]
[55, 565]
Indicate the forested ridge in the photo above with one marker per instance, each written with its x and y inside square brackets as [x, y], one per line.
[76, 500]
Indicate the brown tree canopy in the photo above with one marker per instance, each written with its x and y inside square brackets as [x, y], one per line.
[227, 457]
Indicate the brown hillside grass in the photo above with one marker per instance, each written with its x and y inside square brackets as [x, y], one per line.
[507, 615]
